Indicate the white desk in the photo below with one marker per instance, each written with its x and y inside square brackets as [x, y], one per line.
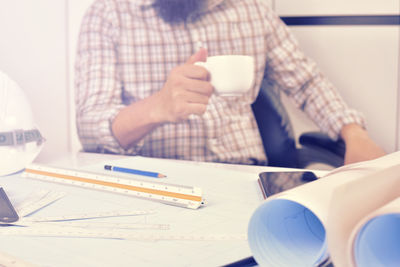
[231, 191]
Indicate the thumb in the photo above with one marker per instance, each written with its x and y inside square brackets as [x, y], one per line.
[200, 55]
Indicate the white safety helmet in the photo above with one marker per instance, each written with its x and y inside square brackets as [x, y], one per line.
[20, 140]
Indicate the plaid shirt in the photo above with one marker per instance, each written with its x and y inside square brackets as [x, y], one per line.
[126, 52]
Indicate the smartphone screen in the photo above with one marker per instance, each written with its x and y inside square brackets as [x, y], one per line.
[7, 211]
[275, 182]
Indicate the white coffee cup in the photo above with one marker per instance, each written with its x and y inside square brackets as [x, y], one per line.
[231, 75]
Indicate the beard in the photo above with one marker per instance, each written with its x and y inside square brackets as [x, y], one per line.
[178, 11]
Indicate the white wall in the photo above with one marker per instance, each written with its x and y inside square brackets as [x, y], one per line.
[362, 61]
[336, 7]
[33, 53]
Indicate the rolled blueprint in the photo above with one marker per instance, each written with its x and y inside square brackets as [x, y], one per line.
[378, 241]
[291, 228]
[354, 204]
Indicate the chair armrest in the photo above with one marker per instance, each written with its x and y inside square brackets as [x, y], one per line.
[320, 148]
[317, 139]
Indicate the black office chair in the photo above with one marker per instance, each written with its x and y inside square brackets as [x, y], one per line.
[279, 141]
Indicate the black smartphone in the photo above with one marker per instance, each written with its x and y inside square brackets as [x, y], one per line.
[275, 182]
[7, 211]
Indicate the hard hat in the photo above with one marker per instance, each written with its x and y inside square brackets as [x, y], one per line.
[20, 140]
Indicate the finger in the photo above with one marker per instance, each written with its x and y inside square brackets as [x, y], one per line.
[197, 109]
[199, 86]
[196, 98]
[200, 55]
[195, 72]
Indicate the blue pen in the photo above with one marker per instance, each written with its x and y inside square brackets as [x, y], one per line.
[133, 171]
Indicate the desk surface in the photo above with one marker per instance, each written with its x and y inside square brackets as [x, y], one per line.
[231, 191]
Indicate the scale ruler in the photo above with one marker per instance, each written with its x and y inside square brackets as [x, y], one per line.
[177, 195]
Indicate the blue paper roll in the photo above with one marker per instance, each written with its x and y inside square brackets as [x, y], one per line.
[285, 233]
[378, 242]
